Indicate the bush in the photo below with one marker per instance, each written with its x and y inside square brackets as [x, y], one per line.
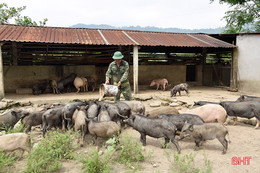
[53, 148]
[185, 164]
[129, 150]
[97, 163]
[6, 160]
[124, 150]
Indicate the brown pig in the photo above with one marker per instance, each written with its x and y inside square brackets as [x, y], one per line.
[160, 83]
[54, 86]
[161, 110]
[105, 129]
[15, 141]
[206, 131]
[80, 124]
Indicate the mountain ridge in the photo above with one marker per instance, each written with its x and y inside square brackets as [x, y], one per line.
[150, 28]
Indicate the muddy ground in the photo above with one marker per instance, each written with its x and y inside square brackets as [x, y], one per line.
[245, 139]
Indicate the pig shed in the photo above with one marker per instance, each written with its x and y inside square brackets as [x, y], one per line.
[246, 60]
[31, 54]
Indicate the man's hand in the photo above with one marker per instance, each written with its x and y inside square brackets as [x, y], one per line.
[107, 82]
[119, 83]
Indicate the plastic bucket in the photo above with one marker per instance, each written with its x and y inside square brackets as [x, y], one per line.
[107, 90]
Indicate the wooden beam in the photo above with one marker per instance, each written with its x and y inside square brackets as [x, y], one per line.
[15, 53]
[2, 91]
[135, 68]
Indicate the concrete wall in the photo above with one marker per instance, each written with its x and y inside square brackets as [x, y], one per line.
[175, 74]
[248, 53]
[25, 76]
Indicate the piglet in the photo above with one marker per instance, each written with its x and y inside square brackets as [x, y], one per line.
[160, 83]
[179, 88]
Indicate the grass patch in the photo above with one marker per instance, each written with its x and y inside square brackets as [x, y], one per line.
[97, 163]
[186, 163]
[6, 160]
[129, 151]
[124, 150]
[53, 148]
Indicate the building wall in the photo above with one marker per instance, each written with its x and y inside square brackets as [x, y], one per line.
[25, 76]
[248, 53]
[175, 74]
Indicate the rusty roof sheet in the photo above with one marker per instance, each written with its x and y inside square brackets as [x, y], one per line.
[86, 36]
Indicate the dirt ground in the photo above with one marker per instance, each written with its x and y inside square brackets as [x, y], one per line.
[245, 139]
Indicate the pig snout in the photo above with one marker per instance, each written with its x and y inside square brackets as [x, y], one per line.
[152, 83]
[182, 136]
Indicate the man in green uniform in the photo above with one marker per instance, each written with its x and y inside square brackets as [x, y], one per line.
[119, 71]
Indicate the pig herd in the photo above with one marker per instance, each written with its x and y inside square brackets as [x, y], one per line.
[69, 83]
[105, 119]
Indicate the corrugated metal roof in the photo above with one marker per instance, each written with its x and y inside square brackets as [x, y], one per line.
[106, 37]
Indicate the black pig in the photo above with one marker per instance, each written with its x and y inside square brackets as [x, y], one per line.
[179, 119]
[9, 119]
[40, 88]
[67, 81]
[247, 109]
[157, 128]
[30, 119]
[201, 103]
[68, 111]
[179, 88]
[52, 118]
[243, 98]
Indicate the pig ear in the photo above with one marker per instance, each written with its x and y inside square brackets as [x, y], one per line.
[13, 113]
[26, 113]
[191, 127]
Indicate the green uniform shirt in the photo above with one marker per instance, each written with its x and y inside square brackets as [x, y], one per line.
[119, 74]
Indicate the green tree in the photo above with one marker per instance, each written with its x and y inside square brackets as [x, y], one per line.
[244, 16]
[8, 13]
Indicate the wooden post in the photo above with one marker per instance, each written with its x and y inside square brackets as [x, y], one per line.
[2, 92]
[15, 53]
[135, 68]
[234, 69]
[204, 55]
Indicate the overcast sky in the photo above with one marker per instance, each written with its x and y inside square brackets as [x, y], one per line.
[185, 14]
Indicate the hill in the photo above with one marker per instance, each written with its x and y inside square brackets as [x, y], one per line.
[151, 28]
